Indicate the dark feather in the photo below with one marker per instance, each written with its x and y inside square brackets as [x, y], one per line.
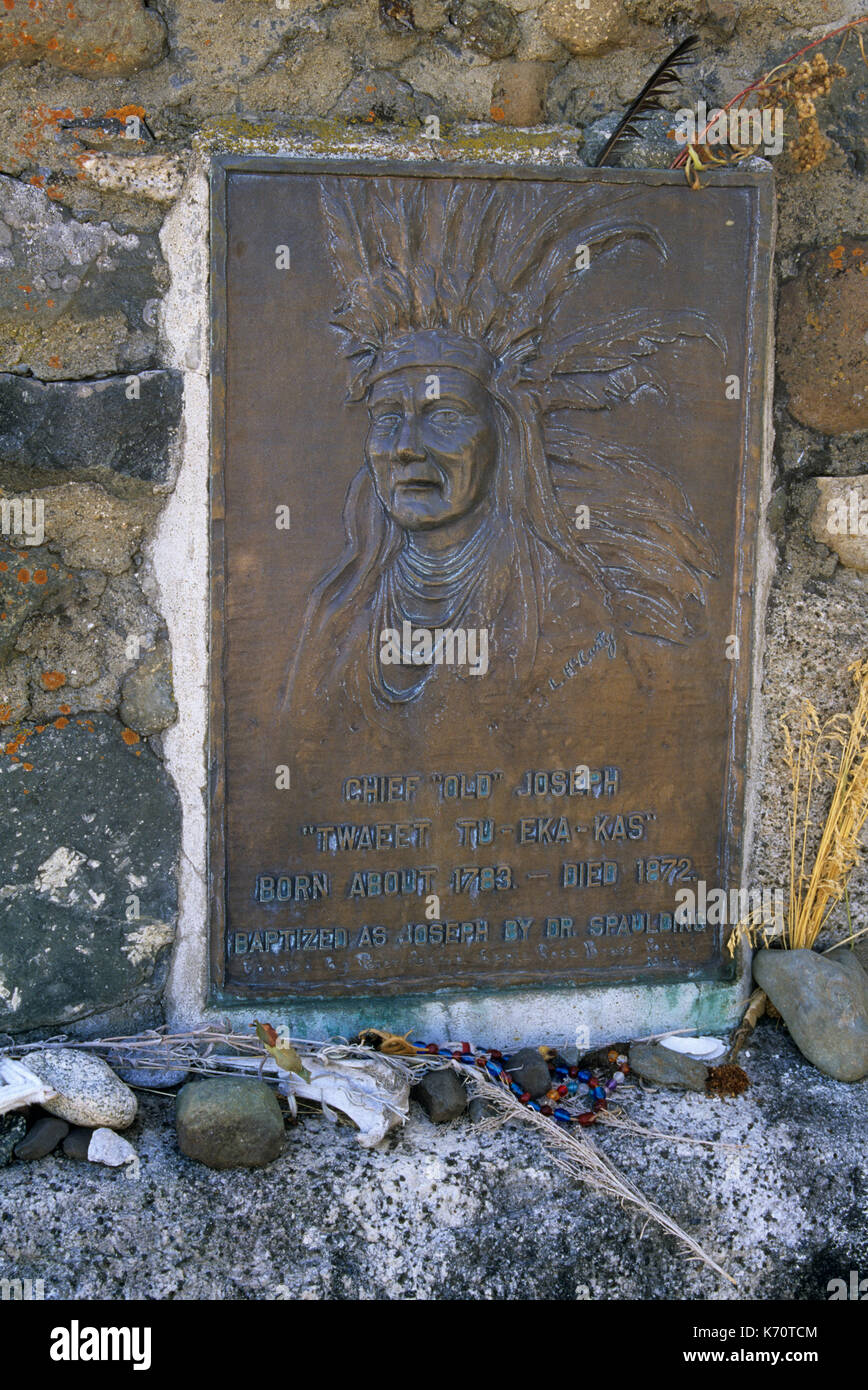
[661, 82]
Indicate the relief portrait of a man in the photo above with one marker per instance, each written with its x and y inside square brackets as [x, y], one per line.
[482, 504]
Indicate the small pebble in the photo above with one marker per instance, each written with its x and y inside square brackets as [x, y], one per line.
[42, 1138]
[77, 1142]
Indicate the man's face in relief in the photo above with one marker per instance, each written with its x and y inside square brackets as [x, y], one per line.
[432, 460]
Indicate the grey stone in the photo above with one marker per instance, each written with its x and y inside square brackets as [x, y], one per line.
[377, 96]
[12, 1130]
[151, 1077]
[823, 1000]
[73, 426]
[653, 148]
[110, 1148]
[76, 298]
[88, 835]
[229, 1122]
[442, 1095]
[479, 1109]
[664, 1067]
[147, 699]
[529, 1069]
[489, 28]
[77, 1143]
[88, 1091]
[42, 1138]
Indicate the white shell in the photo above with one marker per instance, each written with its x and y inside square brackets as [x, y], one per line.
[706, 1049]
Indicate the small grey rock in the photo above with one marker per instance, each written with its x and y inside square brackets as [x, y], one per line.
[442, 1095]
[664, 1067]
[823, 1000]
[147, 698]
[88, 1092]
[42, 1138]
[229, 1122]
[480, 1109]
[528, 1068]
[111, 1149]
[12, 1130]
[151, 1077]
[77, 1142]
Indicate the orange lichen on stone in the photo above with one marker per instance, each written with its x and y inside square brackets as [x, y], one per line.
[60, 723]
[40, 576]
[64, 709]
[52, 680]
[130, 736]
[23, 576]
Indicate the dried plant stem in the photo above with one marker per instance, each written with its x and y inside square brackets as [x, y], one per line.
[684, 155]
[579, 1156]
[756, 1007]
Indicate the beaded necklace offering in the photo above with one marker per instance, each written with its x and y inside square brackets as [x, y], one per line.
[569, 1084]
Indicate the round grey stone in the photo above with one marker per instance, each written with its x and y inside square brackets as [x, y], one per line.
[823, 1000]
[529, 1069]
[229, 1122]
[88, 1092]
[42, 1138]
[77, 1143]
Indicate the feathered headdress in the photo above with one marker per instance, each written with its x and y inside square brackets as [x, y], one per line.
[490, 265]
[481, 275]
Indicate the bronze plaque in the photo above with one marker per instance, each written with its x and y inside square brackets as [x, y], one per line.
[484, 502]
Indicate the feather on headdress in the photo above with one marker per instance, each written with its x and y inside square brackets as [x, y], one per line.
[473, 274]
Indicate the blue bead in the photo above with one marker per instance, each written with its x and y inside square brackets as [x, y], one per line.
[563, 1115]
[444, 1052]
[572, 1087]
[533, 1105]
[494, 1067]
[515, 1088]
[562, 1071]
[467, 1059]
[584, 1076]
[600, 1092]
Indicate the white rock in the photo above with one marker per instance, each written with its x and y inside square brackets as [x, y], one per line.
[111, 1149]
[706, 1049]
[88, 1092]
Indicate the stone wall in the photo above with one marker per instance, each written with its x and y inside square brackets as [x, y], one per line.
[107, 111]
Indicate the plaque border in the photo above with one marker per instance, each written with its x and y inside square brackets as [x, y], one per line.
[759, 341]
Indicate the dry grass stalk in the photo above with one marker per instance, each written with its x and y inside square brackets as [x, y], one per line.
[579, 1156]
[822, 857]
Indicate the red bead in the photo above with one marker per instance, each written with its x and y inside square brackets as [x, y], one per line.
[600, 1105]
[456, 1056]
[495, 1055]
[546, 1110]
[506, 1078]
[586, 1118]
[465, 1048]
[574, 1071]
[562, 1090]
[432, 1047]
[480, 1062]
[524, 1097]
